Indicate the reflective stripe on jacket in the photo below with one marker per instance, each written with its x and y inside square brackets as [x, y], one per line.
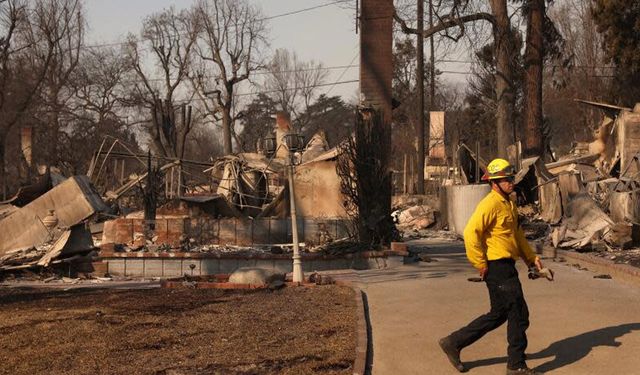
[493, 232]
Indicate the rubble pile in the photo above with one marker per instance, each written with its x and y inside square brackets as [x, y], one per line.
[50, 226]
[417, 217]
[340, 246]
[24, 257]
[626, 256]
[441, 235]
[589, 200]
[207, 248]
[414, 214]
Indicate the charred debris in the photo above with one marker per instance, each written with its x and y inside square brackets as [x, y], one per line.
[587, 200]
[142, 203]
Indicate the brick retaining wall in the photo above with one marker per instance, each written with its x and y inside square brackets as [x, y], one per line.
[227, 231]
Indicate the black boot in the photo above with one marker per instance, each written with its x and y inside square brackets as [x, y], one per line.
[452, 353]
[523, 371]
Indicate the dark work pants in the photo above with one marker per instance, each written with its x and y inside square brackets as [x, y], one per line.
[507, 304]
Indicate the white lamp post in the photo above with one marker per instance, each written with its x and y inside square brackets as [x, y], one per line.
[294, 144]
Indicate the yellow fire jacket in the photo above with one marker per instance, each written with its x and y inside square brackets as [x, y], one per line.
[493, 233]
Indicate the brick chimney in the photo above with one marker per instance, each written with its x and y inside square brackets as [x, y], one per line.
[376, 55]
[283, 126]
[26, 143]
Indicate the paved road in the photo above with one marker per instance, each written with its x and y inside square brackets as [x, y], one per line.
[579, 325]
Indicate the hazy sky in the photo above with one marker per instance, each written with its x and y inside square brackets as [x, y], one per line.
[326, 34]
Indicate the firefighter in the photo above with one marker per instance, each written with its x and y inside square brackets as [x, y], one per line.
[494, 240]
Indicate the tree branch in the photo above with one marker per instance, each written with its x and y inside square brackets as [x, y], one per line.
[445, 24]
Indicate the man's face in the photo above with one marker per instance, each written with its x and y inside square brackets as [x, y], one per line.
[506, 184]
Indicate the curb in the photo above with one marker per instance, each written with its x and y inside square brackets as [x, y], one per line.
[362, 330]
[362, 338]
[618, 271]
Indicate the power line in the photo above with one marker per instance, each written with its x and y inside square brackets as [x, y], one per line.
[263, 72]
[273, 91]
[555, 66]
[299, 88]
[305, 10]
[113, 44]
[343, 72]
[472, 73]
[452, 72]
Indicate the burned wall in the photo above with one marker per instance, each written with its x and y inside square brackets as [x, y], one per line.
[628, 141]
[318, 193]
[72, 201]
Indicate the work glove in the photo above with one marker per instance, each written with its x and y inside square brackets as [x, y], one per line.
[535, 273]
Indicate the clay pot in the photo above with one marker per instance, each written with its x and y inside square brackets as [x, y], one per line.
[51, 220]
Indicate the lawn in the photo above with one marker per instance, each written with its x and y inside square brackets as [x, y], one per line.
[295, 330]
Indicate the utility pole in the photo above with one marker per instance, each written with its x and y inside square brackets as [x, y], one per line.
[432, 98]
[420, 89]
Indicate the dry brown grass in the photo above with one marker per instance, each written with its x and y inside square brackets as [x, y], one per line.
[177, 331]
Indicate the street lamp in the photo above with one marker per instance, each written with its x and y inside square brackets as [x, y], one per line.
[294, 143]
[270, 145]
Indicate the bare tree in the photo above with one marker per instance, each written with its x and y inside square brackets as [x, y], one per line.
[97, 85]
[308, 76]
[57, 26]
[234, 33]
[96, 110]
[293, 83]
[456, 18]
[22, 70]
[170, 37]
[281, 82]
[11, 16]
[543, 41]
[587, 76]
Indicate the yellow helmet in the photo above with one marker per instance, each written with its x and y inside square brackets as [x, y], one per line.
[497, 169]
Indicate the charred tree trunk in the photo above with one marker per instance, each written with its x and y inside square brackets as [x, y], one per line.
[169, 127]
[185, 114]
[227, 120]
[503, 41]
[533, 142]
[3, 168]
[366, 179]
[150, 191]
[150, 197]
[226, 130]
[420, 89]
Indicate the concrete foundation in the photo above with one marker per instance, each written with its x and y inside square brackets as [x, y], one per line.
[201, 264]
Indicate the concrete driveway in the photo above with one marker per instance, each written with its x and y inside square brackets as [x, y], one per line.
[579, 324]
